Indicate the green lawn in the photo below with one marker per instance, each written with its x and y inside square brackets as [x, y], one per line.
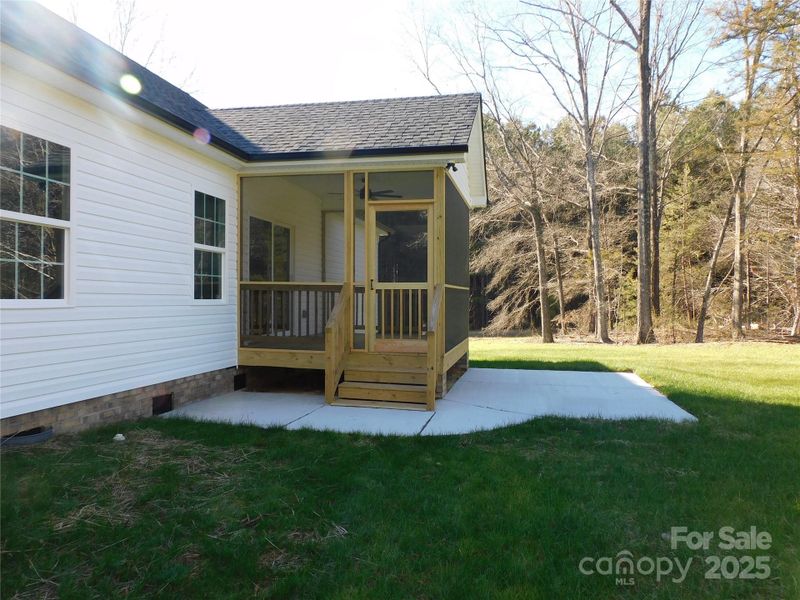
[190, 510]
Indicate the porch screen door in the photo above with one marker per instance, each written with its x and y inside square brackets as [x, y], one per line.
[399, 262]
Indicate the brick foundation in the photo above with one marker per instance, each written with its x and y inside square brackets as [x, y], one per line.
[122, 406]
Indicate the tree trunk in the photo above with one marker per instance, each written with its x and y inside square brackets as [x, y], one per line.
[560, 284]
[796, 221]
[601, 304]
[712, 265]
[644, 316]
[739, 218]
[541, 259]
[655, 221]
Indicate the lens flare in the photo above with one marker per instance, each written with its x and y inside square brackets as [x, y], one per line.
[130, 84]
[201, 136]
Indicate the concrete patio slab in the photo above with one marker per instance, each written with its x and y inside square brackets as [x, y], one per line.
[452, 418]
[482, 399]
[375, 421]
[249, 408]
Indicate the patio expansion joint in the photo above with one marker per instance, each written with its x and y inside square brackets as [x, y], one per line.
[433, 414]
[304, 416]
[494, 408]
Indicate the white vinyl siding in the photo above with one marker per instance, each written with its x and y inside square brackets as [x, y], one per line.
[130, 319]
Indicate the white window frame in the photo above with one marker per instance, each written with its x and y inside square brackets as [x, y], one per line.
[64, 224]
[222, 250]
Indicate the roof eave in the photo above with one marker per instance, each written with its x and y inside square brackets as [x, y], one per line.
[355, 153]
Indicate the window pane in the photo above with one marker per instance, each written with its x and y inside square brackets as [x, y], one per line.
[33, 196]
[53, 282]
[219, 235]
[8, 239]
[198, 231]
[29, 246]
[10, 147]
[34, 155]
[199, 204]
[282, 251]
[220, 212]
[30, 281]
[57, 200]
[7, 279]
[208, 233]
[10, 198]
[260, 251]
[199, 259]
[208, 275]
[209, 207]
[53, 245]
[400, 185]
[207, 293]
[57, 162]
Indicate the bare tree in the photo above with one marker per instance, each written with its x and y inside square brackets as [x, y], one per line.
[753, 30]
[675, 33]
[641, 45]
[514, 160]
[573, 54]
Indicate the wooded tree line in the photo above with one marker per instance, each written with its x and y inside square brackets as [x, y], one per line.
[639, 214]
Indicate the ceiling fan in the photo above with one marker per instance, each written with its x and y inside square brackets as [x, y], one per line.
[372, 194]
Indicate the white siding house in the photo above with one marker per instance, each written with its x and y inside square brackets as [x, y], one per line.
[129, 317]
[150, 247]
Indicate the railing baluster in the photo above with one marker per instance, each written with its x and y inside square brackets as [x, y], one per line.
[400, 312]
[419, 314]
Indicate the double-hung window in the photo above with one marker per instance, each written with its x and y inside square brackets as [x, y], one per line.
[35, 217]
[209, 246]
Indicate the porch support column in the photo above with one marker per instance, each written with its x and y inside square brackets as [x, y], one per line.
[439, 266]
[349, 248]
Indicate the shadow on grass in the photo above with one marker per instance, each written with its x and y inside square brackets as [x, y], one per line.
[542, 365]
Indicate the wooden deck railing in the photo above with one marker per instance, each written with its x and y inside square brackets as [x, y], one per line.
[434, 314]
[336, 341]
[401, 311]
[285, 315]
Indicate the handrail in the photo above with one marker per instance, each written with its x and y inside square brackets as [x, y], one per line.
[336, 341]
[291, 285]
[434, 311]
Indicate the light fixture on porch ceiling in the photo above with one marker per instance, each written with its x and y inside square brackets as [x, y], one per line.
[451, 166]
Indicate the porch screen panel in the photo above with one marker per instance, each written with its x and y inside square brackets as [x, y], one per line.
[293, 249]
[456, 304]
[456, 236]
[399, 185]
[359, 262]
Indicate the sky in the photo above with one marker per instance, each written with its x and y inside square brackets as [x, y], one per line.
[230, 53]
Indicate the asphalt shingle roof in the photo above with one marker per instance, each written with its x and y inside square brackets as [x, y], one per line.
[409, 124]
[360, 128]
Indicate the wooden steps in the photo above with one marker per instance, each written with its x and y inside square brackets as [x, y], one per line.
[387, 392]
[365, 360]
[376, 404]
[384, 381]
[387, 375]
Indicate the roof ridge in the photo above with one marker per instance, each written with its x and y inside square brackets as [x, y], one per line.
[363, 101]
